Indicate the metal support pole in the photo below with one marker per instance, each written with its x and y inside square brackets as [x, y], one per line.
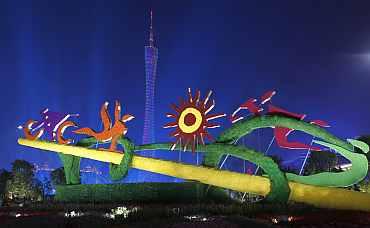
[305, 159]
[267, 150]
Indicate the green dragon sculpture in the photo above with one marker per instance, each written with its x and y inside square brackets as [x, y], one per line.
[224, 145]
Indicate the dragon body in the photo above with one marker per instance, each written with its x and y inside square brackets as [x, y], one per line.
[279, 191]
[223, 145]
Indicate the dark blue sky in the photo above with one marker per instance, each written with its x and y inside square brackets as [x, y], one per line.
[71, 56]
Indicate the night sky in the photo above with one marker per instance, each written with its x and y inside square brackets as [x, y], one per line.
[71, 56]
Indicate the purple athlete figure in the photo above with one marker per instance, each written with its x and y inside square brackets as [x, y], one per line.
[51, 121]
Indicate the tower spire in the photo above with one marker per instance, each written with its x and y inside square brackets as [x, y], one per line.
[151, 37]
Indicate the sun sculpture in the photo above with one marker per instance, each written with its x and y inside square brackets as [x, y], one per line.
[192, 121]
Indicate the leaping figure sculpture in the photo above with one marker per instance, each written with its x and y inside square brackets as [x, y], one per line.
[110, 133]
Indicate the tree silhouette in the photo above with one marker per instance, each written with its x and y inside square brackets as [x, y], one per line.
[58, 177]
[22, 184]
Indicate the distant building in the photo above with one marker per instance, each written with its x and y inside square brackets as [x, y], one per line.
[89, 175]
[151, 58]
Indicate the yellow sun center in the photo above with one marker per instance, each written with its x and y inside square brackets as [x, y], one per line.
[195, 122]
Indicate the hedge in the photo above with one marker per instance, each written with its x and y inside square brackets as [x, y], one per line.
[185, 192]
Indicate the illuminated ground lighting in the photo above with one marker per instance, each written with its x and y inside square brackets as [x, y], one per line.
[120, 211]
[197, 218]
[344, 167]
[192, 121]
[282, 219]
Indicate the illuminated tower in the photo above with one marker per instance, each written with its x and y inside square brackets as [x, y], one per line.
[151, 58]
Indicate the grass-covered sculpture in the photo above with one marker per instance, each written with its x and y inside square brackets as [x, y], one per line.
[191, 120]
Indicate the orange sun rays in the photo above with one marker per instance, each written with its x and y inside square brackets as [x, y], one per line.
[191, 120]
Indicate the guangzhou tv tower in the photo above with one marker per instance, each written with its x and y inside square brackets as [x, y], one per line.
[151, 58]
